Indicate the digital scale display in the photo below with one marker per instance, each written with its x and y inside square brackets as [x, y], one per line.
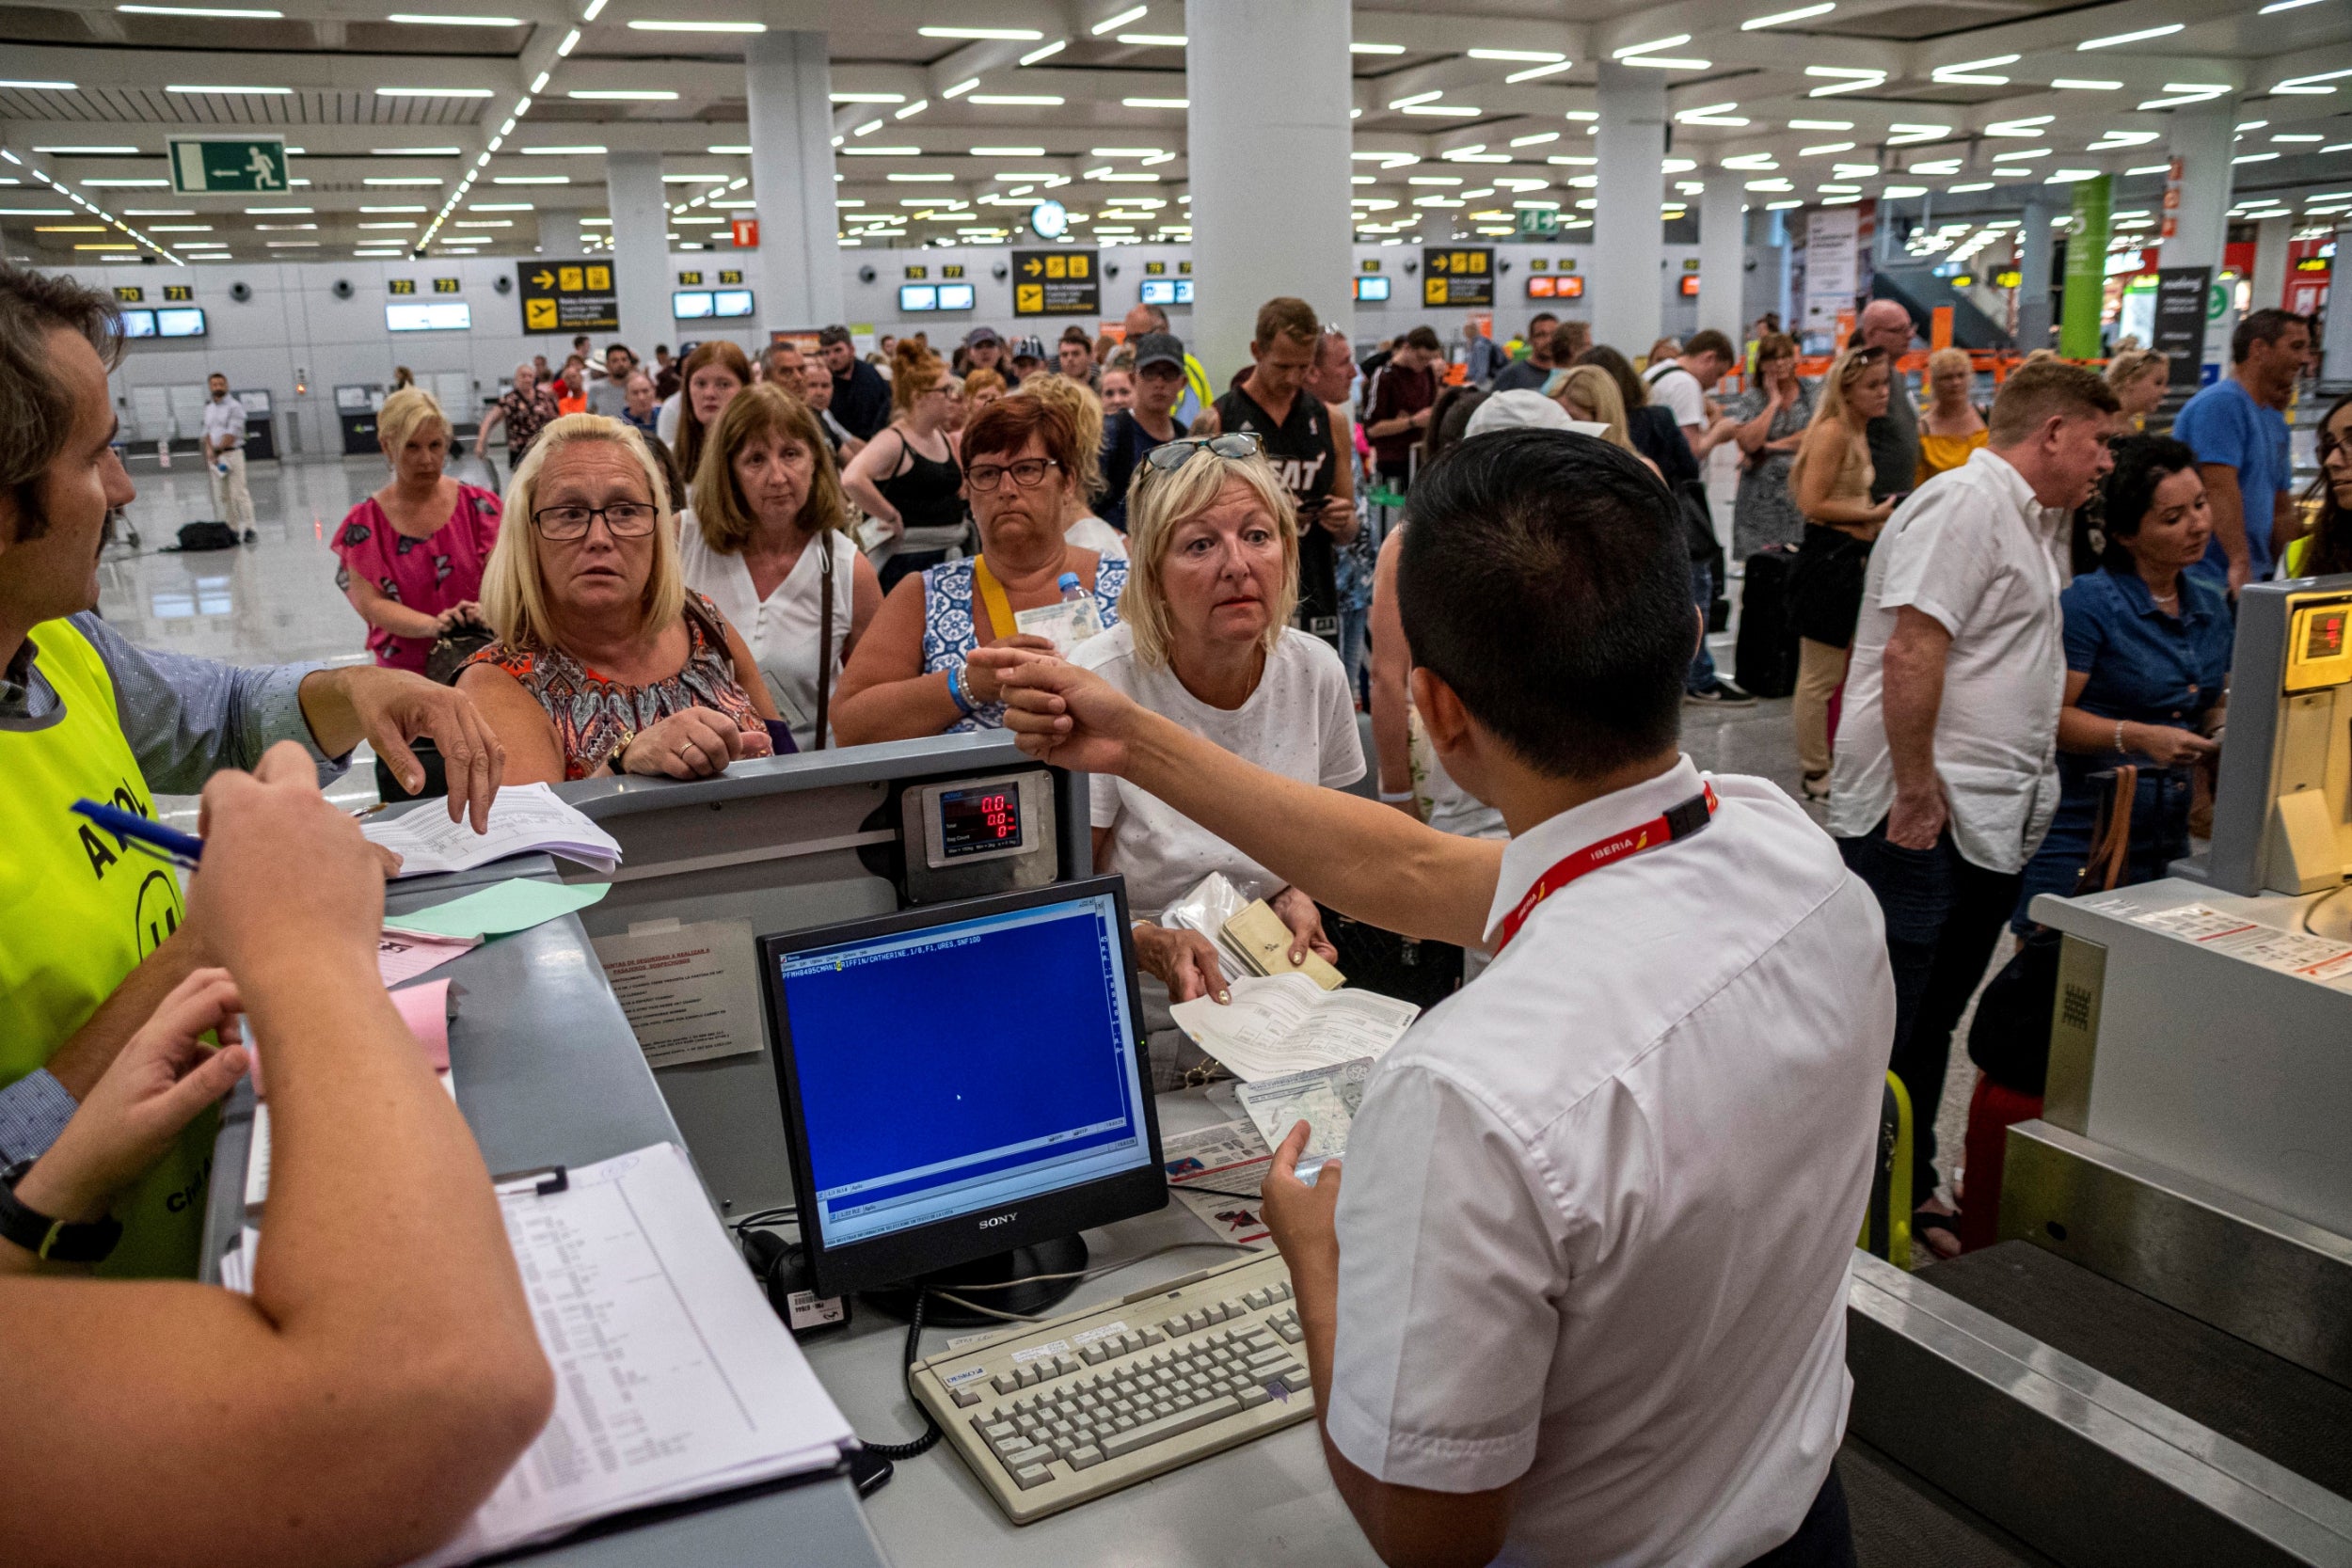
[976, 821]
[2324, 635]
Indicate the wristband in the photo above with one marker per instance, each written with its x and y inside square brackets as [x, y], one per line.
[956, 693]
[1395, 797]
[2119, 737]
[51, 1241]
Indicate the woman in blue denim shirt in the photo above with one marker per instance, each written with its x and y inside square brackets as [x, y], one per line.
[2147, 668]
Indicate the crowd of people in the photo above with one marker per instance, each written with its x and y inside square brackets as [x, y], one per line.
[1187, 594]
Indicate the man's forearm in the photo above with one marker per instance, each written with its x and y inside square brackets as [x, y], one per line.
[2228, 507]
[1915, 696]
[1354, 855]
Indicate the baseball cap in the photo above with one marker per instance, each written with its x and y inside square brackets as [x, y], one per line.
[1028, 348]
[1158, 348]
[980, 335]
[1518, 411]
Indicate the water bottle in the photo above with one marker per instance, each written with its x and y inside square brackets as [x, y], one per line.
[1072, 591]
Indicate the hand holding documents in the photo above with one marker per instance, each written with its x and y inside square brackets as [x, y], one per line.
[525, 818]
[673, 1378]
[1262, 940]
[1326, 1099]
[1286, 1023]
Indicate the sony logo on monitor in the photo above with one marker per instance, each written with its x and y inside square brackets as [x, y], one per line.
[993, 1220]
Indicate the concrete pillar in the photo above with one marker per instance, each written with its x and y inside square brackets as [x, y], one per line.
[2336, 346]
[2270, 261]
[559, 234]
[1628, 233]
[1722, 255]
[641, 247]
[2086, 269]
[2201, 140]
[790, 86]
[2033, 278]
[1270, 87]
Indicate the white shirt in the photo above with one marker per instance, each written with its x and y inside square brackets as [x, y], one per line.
[784, 628]
[1090, 533]
[1678, 390]
[1301, 724]
[1974, 550]
[1601, 1204]
[665, 421]
[224, 422]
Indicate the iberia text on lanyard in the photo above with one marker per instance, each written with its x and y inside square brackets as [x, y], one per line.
[1679, 822]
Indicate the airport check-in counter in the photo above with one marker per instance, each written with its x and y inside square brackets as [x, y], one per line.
[2155, 1363]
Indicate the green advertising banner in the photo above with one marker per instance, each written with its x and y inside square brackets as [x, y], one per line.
[2086, 270]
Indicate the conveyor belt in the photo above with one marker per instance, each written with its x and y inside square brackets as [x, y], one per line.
[2288, 1414]
[1900, 1521]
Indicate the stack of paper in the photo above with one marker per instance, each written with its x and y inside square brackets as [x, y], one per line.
[673, 1378]
[1287, 1023]
[524, 819]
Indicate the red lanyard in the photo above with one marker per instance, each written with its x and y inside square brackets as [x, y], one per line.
[1681, 822]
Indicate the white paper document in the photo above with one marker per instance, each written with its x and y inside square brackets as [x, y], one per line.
[1287, 1023]
[1326, 1099]
[1216, 1172]
[691, 991]
[2314, 958]
[524, 819]
[673, 1377]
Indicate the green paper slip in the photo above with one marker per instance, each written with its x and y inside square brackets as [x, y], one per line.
[515, 904]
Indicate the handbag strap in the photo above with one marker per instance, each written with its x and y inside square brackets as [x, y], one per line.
[2111, 834]
[824, 641]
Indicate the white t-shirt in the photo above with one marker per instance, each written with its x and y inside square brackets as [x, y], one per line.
[665, 421]
[1090, 533]
[1299, 723]
[1600, 1206]
[1974, 550]
[224, 421]
[782, 630]
[1678, 390]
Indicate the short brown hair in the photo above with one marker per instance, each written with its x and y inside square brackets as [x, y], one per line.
[1073, 333]
[1284, 316]
[756, 414]
[1005, 426]
[1569, 339]
[35, 407]
[1708, 341]
[2046, 390]
[1425, 338]
[1775, 345]
[913, 370]
[1085, 410]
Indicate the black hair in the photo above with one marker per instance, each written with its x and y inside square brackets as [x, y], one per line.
[1547, 580]
[1425, 338]
[2141, 463]
[2264, 326]
[1448, 418]
[2330, 549]
[828, 336]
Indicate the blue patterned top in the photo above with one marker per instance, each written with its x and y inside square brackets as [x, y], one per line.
[948, 631]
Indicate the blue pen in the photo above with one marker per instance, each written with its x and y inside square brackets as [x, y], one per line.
[180, 848]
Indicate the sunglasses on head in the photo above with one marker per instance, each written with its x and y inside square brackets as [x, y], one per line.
[1171, 455]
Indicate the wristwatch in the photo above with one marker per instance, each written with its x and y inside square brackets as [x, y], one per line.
[51, 1241]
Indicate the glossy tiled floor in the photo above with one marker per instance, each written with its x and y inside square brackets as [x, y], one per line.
[275, 601]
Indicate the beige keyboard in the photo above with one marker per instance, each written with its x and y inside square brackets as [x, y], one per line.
[1058, 1413]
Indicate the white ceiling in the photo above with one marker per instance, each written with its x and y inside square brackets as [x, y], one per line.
[1982, 99]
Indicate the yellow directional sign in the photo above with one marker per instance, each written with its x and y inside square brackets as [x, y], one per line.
[567, 296]
[1057, 282]
[1458, 275]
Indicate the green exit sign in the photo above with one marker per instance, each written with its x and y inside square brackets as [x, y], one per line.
[199, 165]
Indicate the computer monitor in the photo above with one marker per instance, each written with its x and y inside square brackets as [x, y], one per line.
[964, 1081]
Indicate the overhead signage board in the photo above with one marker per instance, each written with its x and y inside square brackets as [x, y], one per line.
[1057, 283]
[200, 166]
[1453, 275]
[568, 297]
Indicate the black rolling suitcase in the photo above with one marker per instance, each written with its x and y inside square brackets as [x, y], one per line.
[1766, 655]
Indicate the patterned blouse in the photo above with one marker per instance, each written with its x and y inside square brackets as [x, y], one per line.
[594, 714]
[526, 417]
[949, 634]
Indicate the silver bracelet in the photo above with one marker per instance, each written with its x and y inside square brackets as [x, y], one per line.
[2119, 737]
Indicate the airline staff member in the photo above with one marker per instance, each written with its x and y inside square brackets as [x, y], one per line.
[89, 925]
[1581, 1297]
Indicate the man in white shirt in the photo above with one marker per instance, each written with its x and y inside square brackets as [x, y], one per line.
[1682, 385]
[224, 454]
[1946, 774]
[1581, 1298]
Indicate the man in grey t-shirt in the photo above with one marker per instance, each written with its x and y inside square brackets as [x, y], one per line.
[610, 396]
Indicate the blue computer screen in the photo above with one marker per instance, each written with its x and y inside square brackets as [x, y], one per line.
[955, 1068]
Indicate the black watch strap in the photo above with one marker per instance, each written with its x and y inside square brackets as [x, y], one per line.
[52, 1240]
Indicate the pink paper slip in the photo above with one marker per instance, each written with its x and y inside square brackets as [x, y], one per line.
[425, 1009]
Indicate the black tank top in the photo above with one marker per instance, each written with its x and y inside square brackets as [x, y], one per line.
[925, 490]
[1305, 452]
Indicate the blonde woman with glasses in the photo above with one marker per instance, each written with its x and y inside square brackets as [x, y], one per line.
[1831, 480]
[606, 663]
[1204, 637]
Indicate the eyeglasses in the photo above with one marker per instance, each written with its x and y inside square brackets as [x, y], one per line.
[622, 519]
[1028, 473]
[1171, 455]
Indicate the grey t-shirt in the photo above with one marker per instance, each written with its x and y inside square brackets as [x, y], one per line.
[608, 397]
[1894, 439]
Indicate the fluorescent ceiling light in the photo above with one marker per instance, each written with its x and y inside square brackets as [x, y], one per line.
[126, 184]
[919, 179]
[425, 19]
[2255, 158]
[531, 179]
[69, 228]
[911, 110]
[1387, 48]
[1534, 72]
[500, 207]
[962, 87]
[1667, 62]
[869, 97]
[251, 92]
[1972, 72]
[647, 26]
[2070, 176]
[2019, 127]
[1801, 14]
[1120, 152]
[1154, 40]
[277, 212]
[1848, 79]
[2080, 84]
[1112, 24]
[693, 179]
[387, 93]
[2283, 135]
[585, 150]
[1820, 125]
[292, 245]
[1536, 140]
[392, 209]
[1532, 57]
[1012, 152]
[1013, 34]
[881, 151]
[2021, 155]
[1157, 102]
[188, 228]
[159, 212]
[1825, 149]
[403, 179]
[1630, 50]
[1015, 100]
[622, 95]
[2300, 83]
[2186, 92]
[2145, 33]
[484, 223]
[421, 152]
[85, 151]
[1435, 111]
[389, 222]
[201, 11]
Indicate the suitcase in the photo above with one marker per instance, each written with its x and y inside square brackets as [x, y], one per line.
[1765, 657]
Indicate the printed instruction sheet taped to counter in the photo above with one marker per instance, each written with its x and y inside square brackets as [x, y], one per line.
[691, 989]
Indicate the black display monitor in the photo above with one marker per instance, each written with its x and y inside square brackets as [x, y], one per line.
[966, 1085]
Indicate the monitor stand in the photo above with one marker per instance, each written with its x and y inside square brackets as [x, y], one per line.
[1062, 1254]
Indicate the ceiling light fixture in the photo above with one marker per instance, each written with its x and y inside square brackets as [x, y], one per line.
[1972, 72]
[1157, 102]
[1536, 73]
[86, 152]
[2186, 92]
[1154, 40]
[425, 19]
[1802, 13]
[2081, 84]
[380, 92]
[2112, 39]
[1631, 50]
[1112, 24]
[247, 92]
[651, 27]
[1848, 79]
[1010, 35]
[1376, 49]
[1018, 100]
[868, 96]
[622, 95]
[223, 12]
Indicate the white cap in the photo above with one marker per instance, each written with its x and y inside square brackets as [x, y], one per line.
[1516, 410]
